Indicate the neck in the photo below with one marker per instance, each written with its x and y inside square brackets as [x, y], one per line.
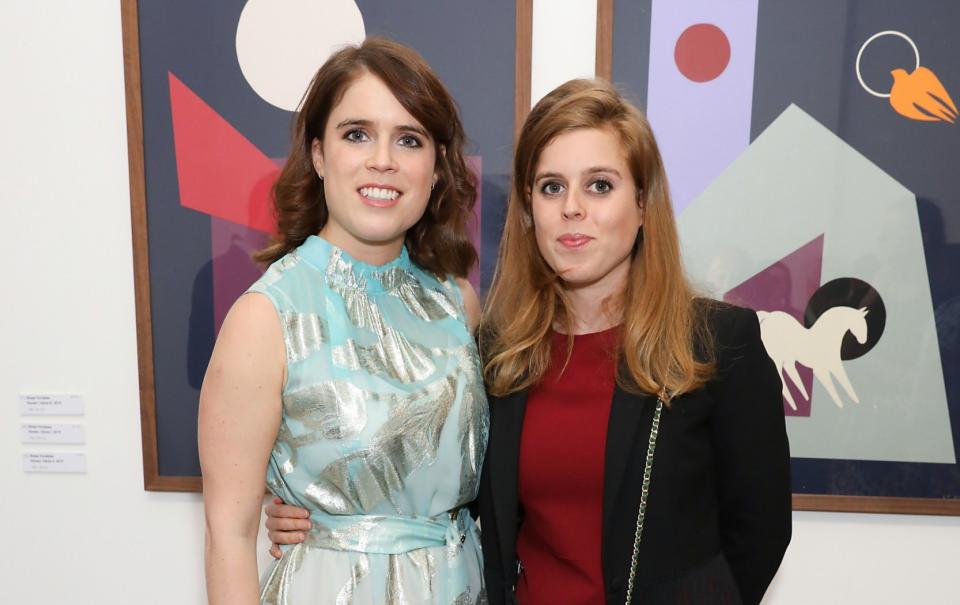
[593, 307]
[371, 253]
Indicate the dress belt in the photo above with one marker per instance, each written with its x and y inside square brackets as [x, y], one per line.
[385, 534]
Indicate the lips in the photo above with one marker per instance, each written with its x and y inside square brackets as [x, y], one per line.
[574, 241]
[379, 195]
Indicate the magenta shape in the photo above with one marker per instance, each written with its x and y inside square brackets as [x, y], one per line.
[475, 162]
[787, 286]
[233, 270]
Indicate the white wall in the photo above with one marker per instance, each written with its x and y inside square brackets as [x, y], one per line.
[67, 325]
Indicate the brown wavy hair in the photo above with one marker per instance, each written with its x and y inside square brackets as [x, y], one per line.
[439, 241]
[665, 346]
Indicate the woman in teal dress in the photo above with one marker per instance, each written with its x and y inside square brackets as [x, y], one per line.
[348, 375]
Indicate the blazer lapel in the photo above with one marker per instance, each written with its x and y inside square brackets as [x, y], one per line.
[506, 428]
[624, 430]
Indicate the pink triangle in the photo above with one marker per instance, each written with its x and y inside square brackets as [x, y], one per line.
[787, 286]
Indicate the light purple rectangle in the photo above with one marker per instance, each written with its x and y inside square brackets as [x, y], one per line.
[700, 127]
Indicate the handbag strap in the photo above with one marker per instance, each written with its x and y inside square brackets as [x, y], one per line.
[644, 492]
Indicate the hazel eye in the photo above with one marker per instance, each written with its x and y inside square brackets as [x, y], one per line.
[601, 186]
[551, 188]
[356, 136]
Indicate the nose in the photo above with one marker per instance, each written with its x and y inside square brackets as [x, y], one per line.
[572, 208]
[381, 157]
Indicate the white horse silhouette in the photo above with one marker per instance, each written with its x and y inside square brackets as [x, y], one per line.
[818, 348]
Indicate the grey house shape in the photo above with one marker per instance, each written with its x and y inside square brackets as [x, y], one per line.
[796, 181]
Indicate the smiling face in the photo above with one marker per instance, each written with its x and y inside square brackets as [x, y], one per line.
[377, 163]
[585, 208]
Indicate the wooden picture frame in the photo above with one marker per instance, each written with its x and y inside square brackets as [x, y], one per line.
[147, 258]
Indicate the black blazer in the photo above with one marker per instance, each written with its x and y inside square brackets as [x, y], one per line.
[719, 509]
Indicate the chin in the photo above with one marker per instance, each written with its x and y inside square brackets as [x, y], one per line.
[381, 234]
[574, 278]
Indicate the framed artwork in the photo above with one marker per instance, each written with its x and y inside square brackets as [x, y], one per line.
[811, 153]
[211, 90]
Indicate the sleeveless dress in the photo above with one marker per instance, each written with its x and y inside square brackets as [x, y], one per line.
[383, 432]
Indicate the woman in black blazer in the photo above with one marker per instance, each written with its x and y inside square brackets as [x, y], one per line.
[719, 499]
[590, 191]
[590, 248]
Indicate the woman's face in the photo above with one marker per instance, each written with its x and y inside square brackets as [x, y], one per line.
[586, 212]
[377, 164]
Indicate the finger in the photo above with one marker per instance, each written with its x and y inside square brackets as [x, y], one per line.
[286, 537]
[285, 510]
[275, 551]
[287, 524]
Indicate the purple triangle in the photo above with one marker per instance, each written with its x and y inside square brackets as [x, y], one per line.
[787, 286]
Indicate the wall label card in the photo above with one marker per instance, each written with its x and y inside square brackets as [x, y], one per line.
[31, 432]
[54, 462]
[37, 404]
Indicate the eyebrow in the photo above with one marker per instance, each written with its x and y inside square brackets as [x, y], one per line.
[369, 123]
[588, 171]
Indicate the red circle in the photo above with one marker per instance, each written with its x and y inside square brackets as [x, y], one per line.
[702, 52]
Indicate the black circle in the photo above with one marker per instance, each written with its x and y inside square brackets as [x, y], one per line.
[849, 292]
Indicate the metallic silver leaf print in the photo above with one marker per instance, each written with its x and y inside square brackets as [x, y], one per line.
[276, 587]
[394, 356]
[304, 334]
[359, 571]
[463, 598]
[395, 593]
[426, 303]
[376, 377]
[275, 271]
[473, 428]
[407, 440]
[426, 564]
[336, 409]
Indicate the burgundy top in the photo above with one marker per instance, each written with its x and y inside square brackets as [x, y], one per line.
[561, 474]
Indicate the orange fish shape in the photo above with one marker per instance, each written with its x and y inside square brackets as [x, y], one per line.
[921, 96]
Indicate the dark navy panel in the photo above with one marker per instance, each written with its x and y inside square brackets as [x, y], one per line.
[631, 48]
[806, 54]
[470, 44]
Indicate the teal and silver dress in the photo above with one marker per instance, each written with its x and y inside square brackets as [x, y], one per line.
[383, 433]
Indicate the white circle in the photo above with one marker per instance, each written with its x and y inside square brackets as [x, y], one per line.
[282, 43]
[889, 32]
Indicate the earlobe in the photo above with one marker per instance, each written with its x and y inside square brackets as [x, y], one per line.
[316, 155]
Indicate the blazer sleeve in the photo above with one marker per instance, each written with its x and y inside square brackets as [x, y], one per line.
[753, 458]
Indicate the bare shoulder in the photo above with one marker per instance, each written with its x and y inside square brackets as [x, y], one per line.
[471, 302]
[251, 334]
[252, 316]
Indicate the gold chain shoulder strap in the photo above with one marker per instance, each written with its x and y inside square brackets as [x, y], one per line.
[644, 492]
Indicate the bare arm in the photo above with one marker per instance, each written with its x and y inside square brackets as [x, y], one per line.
[239, 419]
[471, 303]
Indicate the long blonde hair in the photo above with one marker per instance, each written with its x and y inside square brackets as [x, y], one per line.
[665, 346]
